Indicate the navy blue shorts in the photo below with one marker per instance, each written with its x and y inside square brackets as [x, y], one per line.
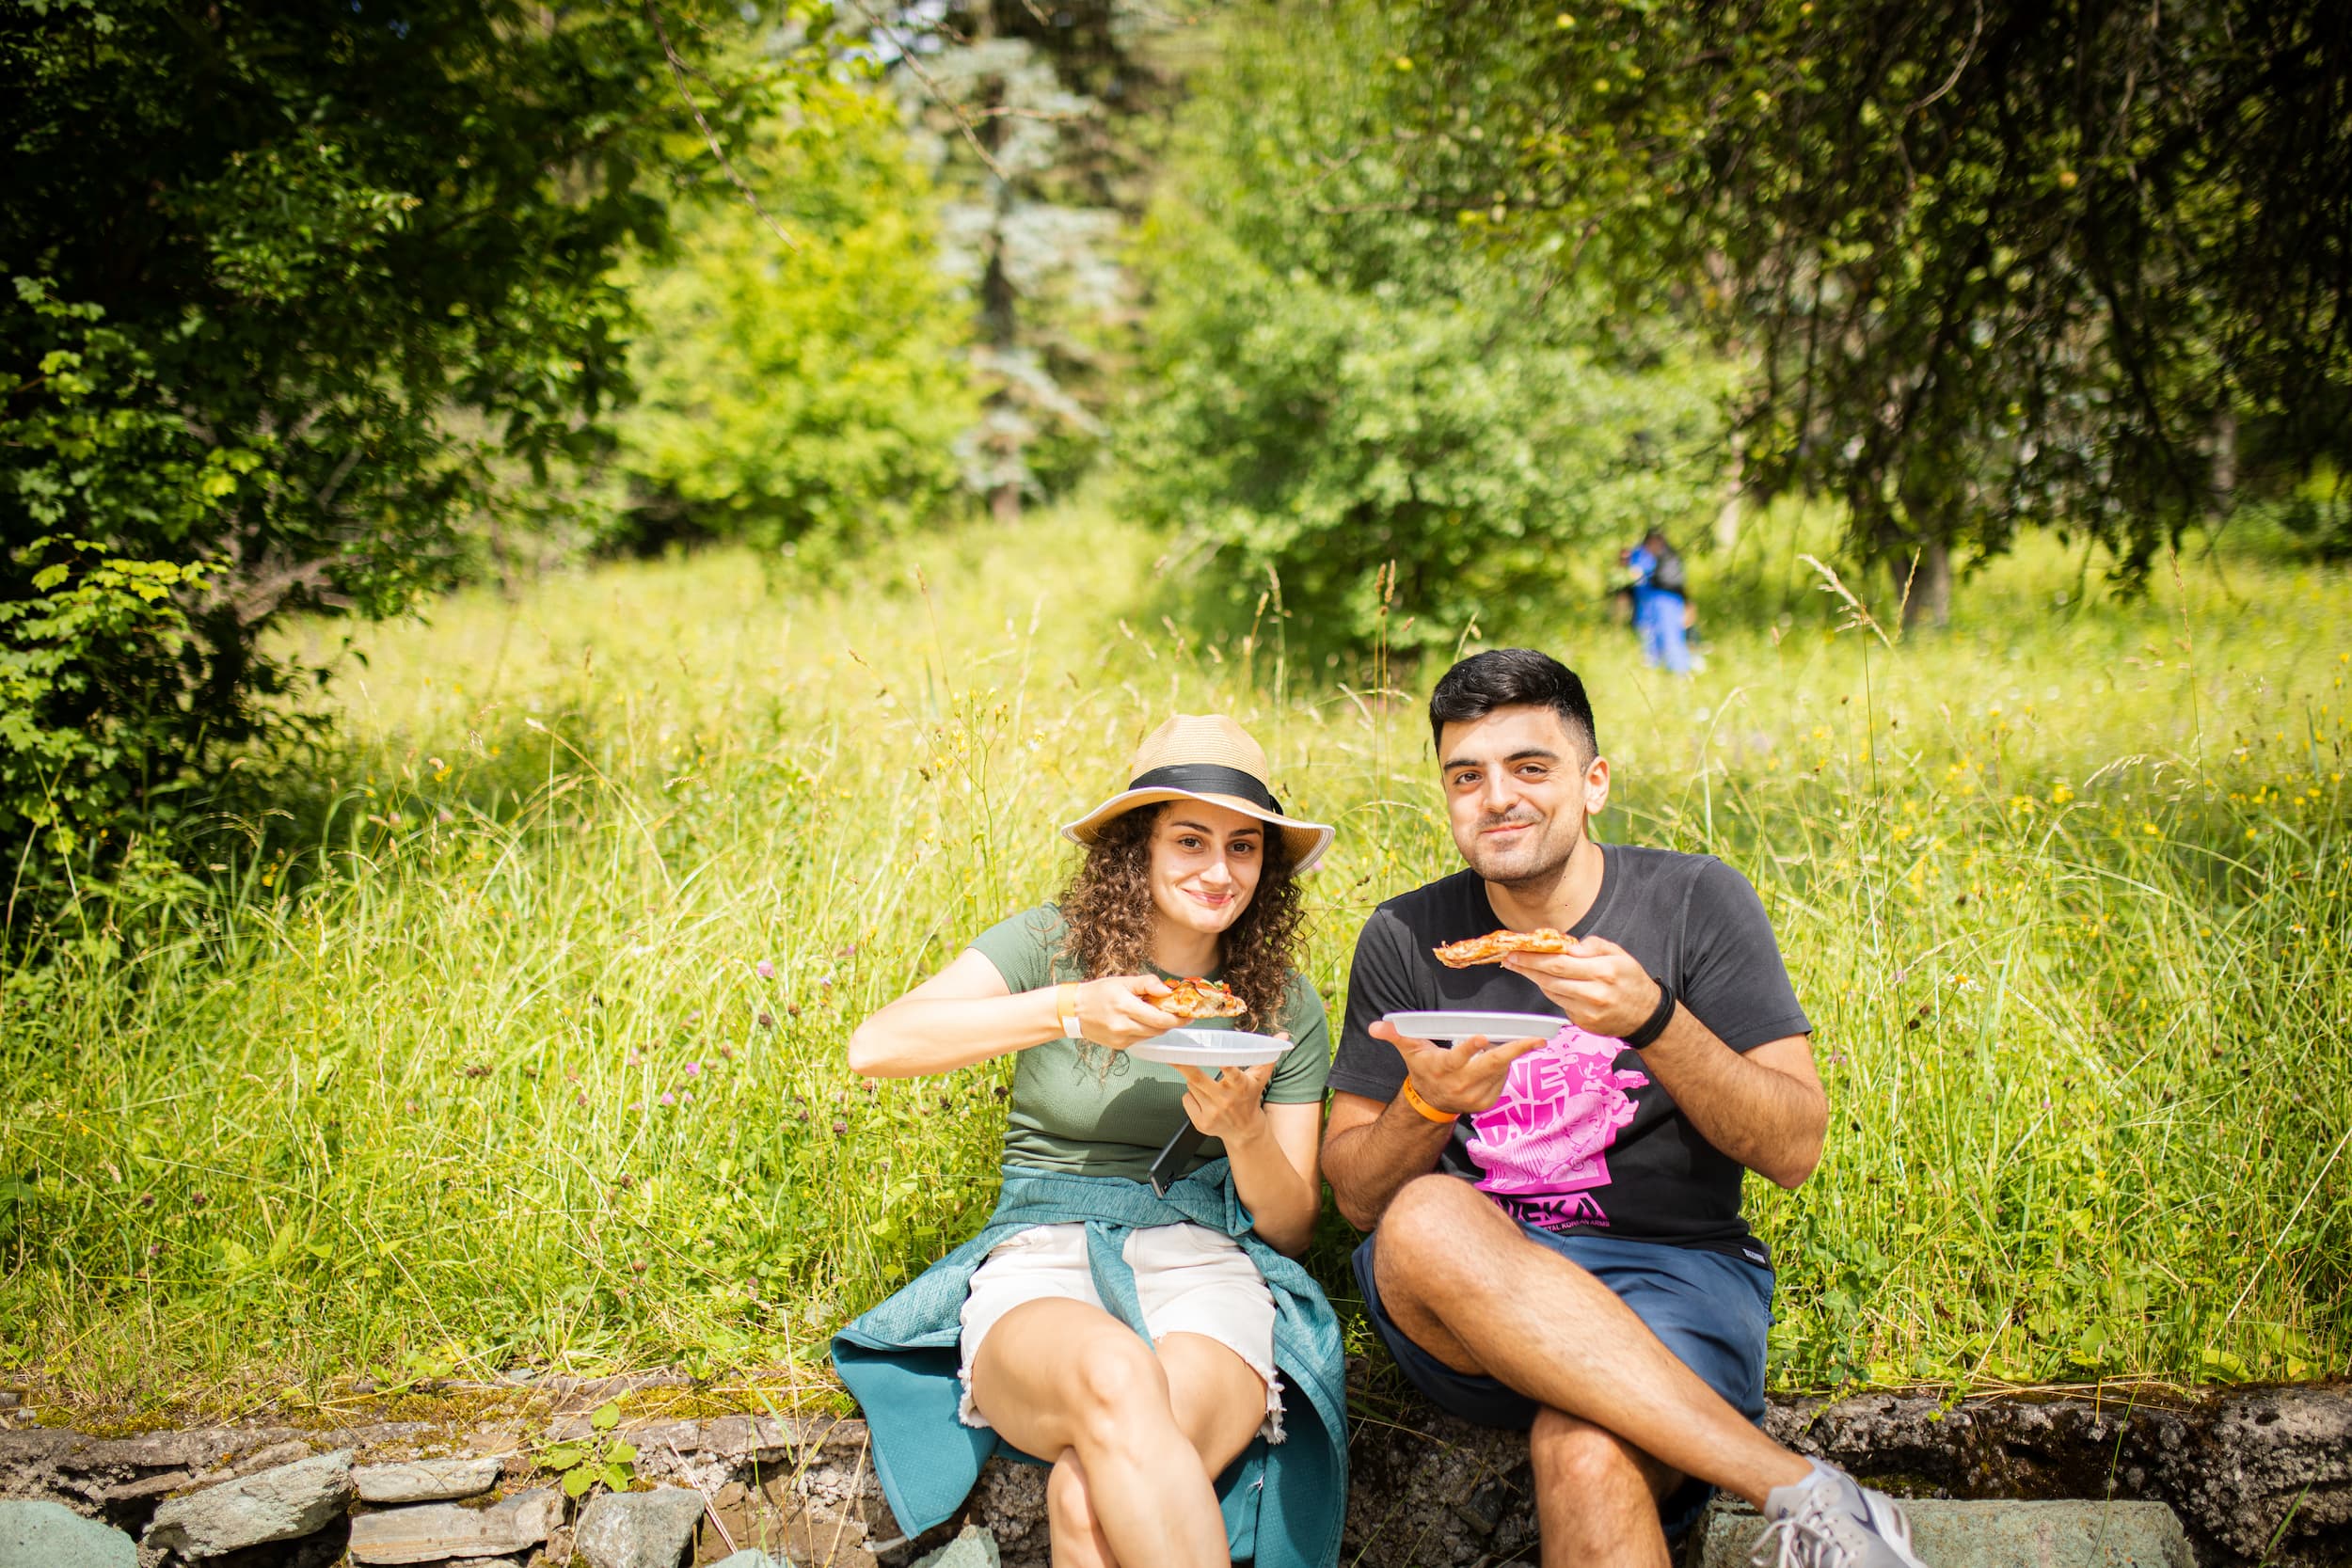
[1711, 1309]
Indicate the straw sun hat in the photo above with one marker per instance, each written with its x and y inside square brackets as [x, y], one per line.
[1197, 756]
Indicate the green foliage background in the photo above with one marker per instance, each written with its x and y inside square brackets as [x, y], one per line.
[312, 311]
[802, 392]
[482, 1067]
[1984, 267]
[262, 259]
[1337, 383]
[484, 1008]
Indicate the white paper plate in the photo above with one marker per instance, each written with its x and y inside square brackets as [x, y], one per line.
[1208, 1048]
[1497, 1027]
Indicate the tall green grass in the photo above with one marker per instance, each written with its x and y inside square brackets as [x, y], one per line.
[515, 1037]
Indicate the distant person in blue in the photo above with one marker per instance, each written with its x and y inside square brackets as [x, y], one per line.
[1661, 605]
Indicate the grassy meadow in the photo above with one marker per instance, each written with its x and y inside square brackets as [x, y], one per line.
[512, 1037]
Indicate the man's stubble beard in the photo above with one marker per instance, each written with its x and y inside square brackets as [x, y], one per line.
[1540, 879]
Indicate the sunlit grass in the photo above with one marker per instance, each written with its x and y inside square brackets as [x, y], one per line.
[515, 1040]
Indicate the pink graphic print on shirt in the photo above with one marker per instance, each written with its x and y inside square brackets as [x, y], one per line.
[1544, 1145]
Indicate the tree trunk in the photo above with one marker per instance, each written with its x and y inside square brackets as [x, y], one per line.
[2224, 462]
[1924, 588]
[1000, 304]
[1727, 519]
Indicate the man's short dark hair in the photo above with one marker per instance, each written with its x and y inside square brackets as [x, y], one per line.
[1512, 678]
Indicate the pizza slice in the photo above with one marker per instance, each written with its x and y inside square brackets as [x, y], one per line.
[1495, 945]
[1198, 998]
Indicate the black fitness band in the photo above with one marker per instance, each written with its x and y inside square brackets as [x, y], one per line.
[1208, 778]
[1650, 1031]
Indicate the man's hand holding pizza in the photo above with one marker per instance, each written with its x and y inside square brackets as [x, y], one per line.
[1602, 988]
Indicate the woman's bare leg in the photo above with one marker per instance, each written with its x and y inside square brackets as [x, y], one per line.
[1218, 1402]
[1070, 1516]
[1058, 1376]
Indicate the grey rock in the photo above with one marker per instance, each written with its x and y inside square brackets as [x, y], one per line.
[638, 1529]
[1992, 1535]
[973, 1547]
[434, 1532]
[50, 1535]
[1010, 1502]
[284, 1503]
[426, 1481]
[271, 1456]
[156, 1487]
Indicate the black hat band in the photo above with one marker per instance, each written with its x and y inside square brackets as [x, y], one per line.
[1209, 778]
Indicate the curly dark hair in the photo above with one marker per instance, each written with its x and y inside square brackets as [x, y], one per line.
[1108, 906]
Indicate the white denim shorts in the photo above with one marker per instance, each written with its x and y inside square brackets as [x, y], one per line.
[1188, 1281]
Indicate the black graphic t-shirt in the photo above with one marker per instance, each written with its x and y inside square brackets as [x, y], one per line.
[1582, 1138]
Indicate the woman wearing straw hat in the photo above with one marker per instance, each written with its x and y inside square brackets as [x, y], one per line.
[1153, 1341]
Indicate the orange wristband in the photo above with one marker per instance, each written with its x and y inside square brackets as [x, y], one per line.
[1412, 1098]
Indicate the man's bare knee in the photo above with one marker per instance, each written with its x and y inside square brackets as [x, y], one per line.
[1571, 1449]
[1422, 1234]
[1570, 1452]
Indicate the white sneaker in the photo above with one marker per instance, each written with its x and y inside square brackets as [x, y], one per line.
[1830, 1520]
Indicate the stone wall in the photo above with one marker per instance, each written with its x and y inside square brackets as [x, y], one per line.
[2254, 1474]
[2240, 1468]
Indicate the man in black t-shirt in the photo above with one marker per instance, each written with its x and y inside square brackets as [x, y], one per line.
[1558, 1244]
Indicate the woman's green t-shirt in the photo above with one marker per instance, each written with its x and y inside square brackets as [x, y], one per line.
[1087, 1111]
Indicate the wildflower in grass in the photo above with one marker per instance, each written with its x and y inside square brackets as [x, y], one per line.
[766, 968]
[636, 1105]
[633, 1059]
[693, 1069]
[688, 1096]
[668, 1099]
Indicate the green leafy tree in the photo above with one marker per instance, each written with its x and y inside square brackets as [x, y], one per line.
[1351, 418]
[1995, 264]
[284, 283]
[800, 389]
[1039, 123]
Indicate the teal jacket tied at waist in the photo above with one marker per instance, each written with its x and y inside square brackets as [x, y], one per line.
[1283, 1502]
